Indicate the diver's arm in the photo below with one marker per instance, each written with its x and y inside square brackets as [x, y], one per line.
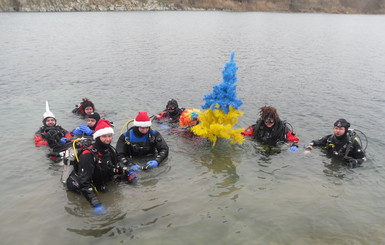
[161, 146]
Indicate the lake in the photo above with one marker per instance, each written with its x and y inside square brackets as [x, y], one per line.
[314, 68]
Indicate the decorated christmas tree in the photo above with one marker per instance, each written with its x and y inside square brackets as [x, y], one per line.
[221, 109]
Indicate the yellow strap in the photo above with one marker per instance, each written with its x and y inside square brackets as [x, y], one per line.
[125, 125]
[74, 147]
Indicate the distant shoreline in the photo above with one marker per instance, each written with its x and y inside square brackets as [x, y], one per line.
[285, 6]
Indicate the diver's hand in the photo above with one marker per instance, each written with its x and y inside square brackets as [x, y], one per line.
[136, 167]
[77, 131]
[151, 164]
[85, 129]
[132, 176]
[351, 162]
[165, 127]
[293, 148]
[99, 209]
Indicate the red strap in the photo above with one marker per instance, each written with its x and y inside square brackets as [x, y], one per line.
[86, 151]
[291, 137]
[160, 115]
[248, 132]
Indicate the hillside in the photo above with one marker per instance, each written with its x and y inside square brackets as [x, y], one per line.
[312, 6]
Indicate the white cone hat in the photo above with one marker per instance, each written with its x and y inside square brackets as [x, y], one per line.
[47, 113]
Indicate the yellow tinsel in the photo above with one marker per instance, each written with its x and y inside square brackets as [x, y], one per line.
[216, 123]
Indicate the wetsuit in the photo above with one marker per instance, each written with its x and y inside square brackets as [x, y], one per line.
[133, 144]
[51, 136]
[95, 169]
[167, 117]
[342, 146]
[79, 109]
[279, 132]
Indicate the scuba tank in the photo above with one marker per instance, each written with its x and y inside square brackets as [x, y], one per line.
[359, 136]
[71, 156]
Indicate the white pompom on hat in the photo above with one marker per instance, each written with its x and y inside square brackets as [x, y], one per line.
[142, 120]
[103, 127]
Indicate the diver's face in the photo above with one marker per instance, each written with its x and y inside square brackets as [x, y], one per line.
[339, 131]
[50, 122]
[89, 110]
[171, 108]
[143, 130]
[269, 122]
[106, 139]
[91, 122]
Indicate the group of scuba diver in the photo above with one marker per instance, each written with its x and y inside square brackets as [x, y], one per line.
[90, 161]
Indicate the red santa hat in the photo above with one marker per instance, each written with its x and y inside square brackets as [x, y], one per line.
[103, 127]
[142, 120]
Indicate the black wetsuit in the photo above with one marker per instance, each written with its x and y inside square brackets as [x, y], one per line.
[169, 117]
[52, 135]
[95, 169]
[342, 146]
[270, 136]
[133, 144]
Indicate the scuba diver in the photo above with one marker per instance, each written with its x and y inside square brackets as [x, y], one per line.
[140, 141]
[52, 135]
[87, 130]
[188, 119]
[343, 143]
[269, 129]
[171, 114]
[95, 167]
[86, 107]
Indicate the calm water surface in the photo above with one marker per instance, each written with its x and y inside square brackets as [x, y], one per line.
[314, 68]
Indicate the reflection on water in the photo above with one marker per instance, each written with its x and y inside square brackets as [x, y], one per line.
[89, 224]
[99, 226]
[220, 161]
[266, 150]
[336, 168]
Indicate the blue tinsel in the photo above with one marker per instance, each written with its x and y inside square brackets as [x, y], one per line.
[224, 94]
